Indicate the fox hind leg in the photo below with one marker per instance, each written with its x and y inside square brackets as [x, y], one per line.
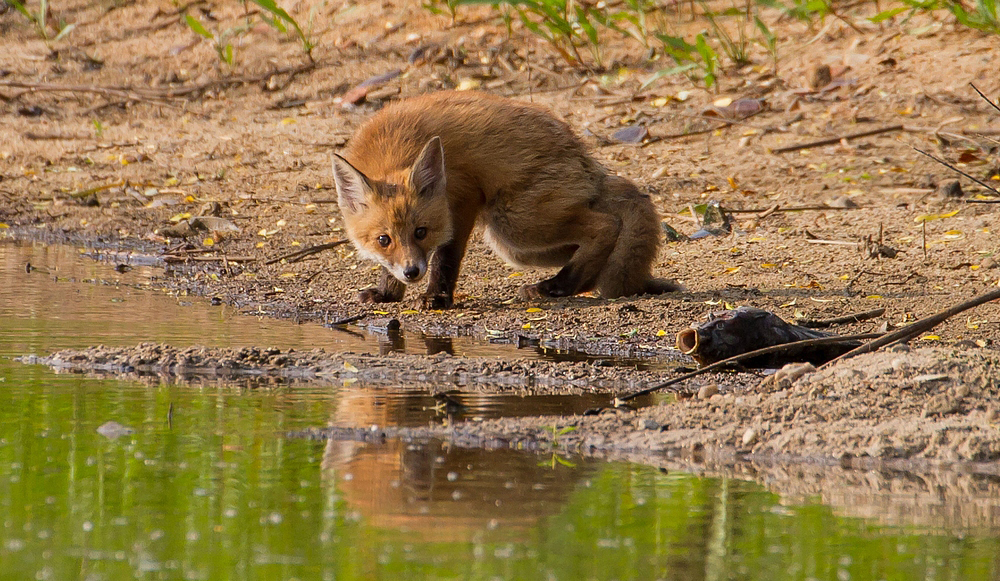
[628, 270]
[595, 235]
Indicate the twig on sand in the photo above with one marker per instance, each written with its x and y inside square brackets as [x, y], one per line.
[779, 209]
[159, 96]
[347, 320]
[853, 318]
[300, 254]
[173, 259]
[838, 139]
[985, 98]
[977, 180]
[793, 346]
[914, 329]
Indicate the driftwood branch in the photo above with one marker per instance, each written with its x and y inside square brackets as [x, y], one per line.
[853, 318]
[921, 326]
[748, 355]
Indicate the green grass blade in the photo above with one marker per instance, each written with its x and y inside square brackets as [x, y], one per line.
[196, 26]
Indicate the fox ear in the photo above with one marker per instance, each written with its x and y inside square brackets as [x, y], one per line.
[427, 175]
[352, 186]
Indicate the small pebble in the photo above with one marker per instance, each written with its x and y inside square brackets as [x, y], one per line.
[749, 437]
[708, 391]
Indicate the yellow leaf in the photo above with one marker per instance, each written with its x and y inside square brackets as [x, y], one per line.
[515, 274]
[350, 367]
[208, 242]
[287, 121]
[713, 303]
[533, 310]
[409, 312]
[2, 225]
[730, 306]
[844, 277]
[733, 269]
[930, 338]
[526, 326]
[790, 303]
[953, 234]
[468, 84]
[661, 333]
[873, 297]
[932, 217]
[189, 199]
[380, 312]
[178, 217]
[288, 275]
[660, 102]
[768, 265]
[732, 183]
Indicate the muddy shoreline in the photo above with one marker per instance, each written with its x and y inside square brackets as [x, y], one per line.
[930, 405]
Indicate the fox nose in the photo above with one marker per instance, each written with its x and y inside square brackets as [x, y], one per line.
[411, 273]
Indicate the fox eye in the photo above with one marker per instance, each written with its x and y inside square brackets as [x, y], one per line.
[420, 233]
[384, 240]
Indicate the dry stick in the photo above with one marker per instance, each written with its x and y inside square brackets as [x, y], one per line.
[347, 320]
[987, 99]
[923, 239]
[749, 355]
[175, 259]
[977, 180]
[921, 326]
[122, 93]
[150, 94]
[854, 318]
[300, 254]
[831, 140]
[838, 242]
[779, 209]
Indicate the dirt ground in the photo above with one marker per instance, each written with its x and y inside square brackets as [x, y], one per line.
[132, 96]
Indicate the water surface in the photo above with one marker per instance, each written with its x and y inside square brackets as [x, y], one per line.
[207, 486]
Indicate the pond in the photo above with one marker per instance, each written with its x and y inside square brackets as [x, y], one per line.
[207, 486]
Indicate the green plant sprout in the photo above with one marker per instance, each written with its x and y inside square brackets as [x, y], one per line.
[40, 20]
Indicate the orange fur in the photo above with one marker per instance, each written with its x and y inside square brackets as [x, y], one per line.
[510, 166]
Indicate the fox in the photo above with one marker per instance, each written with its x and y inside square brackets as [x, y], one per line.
[419, 176]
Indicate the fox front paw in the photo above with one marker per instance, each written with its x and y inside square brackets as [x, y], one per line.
[437, 301]
[373, 295]
[542, 290]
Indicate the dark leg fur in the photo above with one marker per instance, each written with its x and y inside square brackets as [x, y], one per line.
[389, 290]
[445, 265]
[444, 273]
[596, 235]
[628, 268]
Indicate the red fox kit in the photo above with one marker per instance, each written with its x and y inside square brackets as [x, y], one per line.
[417, 177]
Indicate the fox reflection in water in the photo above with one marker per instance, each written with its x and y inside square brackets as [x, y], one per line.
[448, 494]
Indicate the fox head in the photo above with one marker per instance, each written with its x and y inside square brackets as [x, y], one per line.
[401, 219]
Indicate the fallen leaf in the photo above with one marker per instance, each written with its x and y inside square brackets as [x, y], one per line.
[932, 217]
[631, 134]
